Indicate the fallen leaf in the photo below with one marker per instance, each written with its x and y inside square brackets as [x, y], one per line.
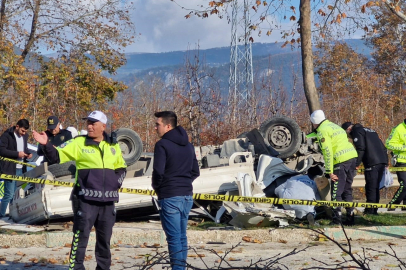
[117, 249]
[117, 258]
[156, 245]
[2, 262]
[282, 241]
[33, 260]
[119, 242]
[256, 241]
[68, 245]
[217, 261]
[246, 239]
[19, 253]
[13, 233]
[88, 257]
[6, 246]
[53, 261]
[392, 244]
[233, 259]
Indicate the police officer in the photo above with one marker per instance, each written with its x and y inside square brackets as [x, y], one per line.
[396, 142]
[56, 135]
[100, 171]
[372, 153]
[339, 161]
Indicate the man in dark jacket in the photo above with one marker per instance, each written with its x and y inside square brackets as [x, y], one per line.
[175, 168]
[13, 145]
[56, 136]
[372, 153]
[100, 171]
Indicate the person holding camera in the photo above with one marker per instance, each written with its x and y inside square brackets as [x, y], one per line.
[13, 145]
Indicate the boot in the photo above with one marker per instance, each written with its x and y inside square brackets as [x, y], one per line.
[350, 221]
[336, 217]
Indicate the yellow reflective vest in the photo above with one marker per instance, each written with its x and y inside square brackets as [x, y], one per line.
[100, 167]
[397, 142]
[334, 145]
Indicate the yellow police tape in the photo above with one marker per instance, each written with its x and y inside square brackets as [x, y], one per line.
[18, 162]
[216, 197]
[391, 169]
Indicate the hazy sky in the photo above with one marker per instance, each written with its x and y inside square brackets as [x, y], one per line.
[162, 27]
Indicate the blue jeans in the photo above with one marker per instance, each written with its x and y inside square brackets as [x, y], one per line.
[174, 215]
[9, 190]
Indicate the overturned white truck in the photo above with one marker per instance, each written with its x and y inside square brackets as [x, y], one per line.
[220, 166]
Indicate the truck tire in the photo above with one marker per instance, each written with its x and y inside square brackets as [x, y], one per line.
[130, 145]
[64, 169]
[283, 134]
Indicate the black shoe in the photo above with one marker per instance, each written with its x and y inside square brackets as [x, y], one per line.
[350, 221]
[368, 211]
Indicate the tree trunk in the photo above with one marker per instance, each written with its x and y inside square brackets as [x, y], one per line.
[309, 85]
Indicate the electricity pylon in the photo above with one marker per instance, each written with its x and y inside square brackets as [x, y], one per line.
[241, 72]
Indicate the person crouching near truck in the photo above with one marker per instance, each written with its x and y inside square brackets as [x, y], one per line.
[175, 167]
[372, 153]
[100, 171]
[340, 157]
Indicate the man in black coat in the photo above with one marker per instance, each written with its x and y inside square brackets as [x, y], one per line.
[56, 136]
[13, 145]
[175, 168]
[372, 153]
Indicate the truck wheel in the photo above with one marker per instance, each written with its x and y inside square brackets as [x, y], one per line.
[59, 170]
[130, 145]
[283, 134]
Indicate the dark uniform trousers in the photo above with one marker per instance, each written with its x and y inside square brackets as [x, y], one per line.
[341, 190]
[373, 176]
[400, 194]
[103, 216]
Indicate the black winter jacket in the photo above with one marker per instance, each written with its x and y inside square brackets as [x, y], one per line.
[175, 165]
[371, 150]
[8, 149]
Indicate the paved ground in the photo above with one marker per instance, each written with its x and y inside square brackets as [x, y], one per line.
[137, 243]
[216, 256]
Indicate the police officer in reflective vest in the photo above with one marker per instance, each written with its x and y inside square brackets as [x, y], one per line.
[396, 142]
[339, 161]
[100, 171]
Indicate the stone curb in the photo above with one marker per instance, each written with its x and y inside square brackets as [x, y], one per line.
[156, 236]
